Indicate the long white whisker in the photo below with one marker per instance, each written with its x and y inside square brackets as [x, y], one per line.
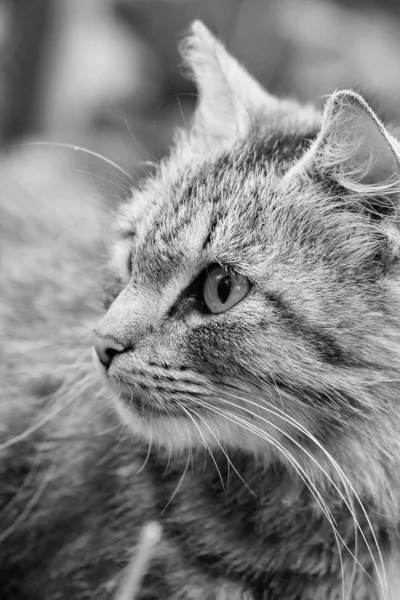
[304, 476]
[179, 431]
[178, 486]
[95, 175]
[147, 455]
[80, 149]
[336, 466]
[223, 450]
[147, 154]
[346, 482]
[181, 111]
[354, 570]
[168, 463]
[264, 435]
[205, 444]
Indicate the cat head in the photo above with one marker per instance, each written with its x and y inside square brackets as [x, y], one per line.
[255, 299]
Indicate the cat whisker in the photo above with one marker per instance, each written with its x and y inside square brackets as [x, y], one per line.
[302, 474]
[174, 421]
[261, 433]
[252, 428]
[204, 443]
[178, 485]
[346, 483]
[147, 154]
[80, 149]
[224, 451]
[181, 111]
[356, 562]
[95, 175]
[340, 472]
[185, 410]
[168, 463]
[191, 457]
[264, 435]
[181, 434]
[147, 455]
[354, 570]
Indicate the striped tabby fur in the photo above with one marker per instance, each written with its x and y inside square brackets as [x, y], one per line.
[264, 440]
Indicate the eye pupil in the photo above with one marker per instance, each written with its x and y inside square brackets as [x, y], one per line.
[224, 288]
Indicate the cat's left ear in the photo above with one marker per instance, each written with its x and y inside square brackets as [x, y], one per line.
[229, 98]
[355, 150]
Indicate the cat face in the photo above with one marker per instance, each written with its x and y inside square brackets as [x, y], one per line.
[255, 303]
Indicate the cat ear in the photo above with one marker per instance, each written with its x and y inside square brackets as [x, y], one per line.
[228, 96]
[355, 150]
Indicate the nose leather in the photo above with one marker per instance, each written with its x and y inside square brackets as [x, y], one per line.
[106, 348]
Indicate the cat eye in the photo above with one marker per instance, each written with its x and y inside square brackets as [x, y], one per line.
[223, 289]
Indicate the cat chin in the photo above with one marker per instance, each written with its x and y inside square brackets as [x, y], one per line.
[159, 430]
[179, 434]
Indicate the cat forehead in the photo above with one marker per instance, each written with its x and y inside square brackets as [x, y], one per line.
[213, 202]
[211, 207]
[190, 186]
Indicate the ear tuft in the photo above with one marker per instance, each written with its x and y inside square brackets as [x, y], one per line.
[357, 141]
[355, 150]
[228, 96]
[202, 35]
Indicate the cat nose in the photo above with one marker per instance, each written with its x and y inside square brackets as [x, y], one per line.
[106, 348]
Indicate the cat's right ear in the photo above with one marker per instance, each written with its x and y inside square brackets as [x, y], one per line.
[355, 150]
[229, 98]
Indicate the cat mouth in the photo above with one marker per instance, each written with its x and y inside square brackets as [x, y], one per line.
[145, 401]
[130, 396]
[154, 391]
[145, 407]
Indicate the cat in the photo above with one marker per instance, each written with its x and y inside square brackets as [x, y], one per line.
[251, 340]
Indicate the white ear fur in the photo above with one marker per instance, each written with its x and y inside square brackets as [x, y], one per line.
[354, 148]
[228, 96]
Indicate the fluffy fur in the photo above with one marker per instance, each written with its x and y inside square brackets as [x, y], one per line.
[264, 440]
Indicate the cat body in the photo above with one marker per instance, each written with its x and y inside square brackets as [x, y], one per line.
[266, 538]
[252, 340]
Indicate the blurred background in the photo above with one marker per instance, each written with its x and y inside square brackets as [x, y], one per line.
[105, 75]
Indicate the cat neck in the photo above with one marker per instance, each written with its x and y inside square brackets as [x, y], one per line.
[280, 523]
